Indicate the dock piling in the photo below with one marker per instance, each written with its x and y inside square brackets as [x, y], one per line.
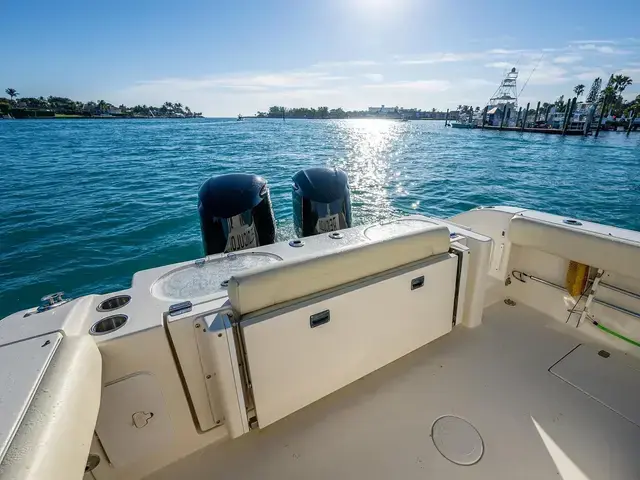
[633, 119]
[604, 107]
[535, 119]
[446, 118]
[546, 114]
[484, 115]
[566, 115]
[571, 104]
[587, 124]
[524, 120]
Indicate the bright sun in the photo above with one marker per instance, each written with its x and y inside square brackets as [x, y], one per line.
[379, 8]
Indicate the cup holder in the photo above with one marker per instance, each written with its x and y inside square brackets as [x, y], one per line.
[108, 324]
[113, 303]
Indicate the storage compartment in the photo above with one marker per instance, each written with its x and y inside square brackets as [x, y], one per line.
[309, 349]
[20, 380]
[608, 376]
[133, 420]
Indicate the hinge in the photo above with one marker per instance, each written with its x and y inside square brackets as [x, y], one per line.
[244, 369]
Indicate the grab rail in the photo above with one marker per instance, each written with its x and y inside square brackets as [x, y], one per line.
[616, 307]
[620, 290]
[517, 274]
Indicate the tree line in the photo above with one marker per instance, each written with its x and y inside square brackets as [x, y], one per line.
[326, 112]
[320, 112]
[67, 107]
[611, 95]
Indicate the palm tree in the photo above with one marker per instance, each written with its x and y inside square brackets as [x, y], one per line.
[620, 82]
[12, 92]
[578, 90]
[608, 93]
[102, 106]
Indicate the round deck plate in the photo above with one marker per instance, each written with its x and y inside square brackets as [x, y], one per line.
[457, 440]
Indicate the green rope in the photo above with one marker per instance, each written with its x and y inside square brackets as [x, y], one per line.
[616, 334]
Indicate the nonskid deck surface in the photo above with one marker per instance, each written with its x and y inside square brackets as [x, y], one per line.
[532, 423]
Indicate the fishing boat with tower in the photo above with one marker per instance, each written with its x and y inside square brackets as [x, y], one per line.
[501, 106]
[502, 112]
[504, 102]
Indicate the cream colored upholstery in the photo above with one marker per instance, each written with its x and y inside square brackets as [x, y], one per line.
[55, 435]
[284, 281]
[581, 245]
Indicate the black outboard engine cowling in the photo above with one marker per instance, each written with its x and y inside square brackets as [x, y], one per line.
[235, 213]
[321, 201]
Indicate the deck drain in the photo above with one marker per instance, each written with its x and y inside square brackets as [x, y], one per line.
[457, 440]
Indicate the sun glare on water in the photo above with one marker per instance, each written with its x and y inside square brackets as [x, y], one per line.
[370, 162]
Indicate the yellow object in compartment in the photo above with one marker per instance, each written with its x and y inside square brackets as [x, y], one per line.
[577, 276]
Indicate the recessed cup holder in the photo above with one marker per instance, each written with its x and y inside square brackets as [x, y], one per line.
[297, 243]
[108, 324]
[113, 303]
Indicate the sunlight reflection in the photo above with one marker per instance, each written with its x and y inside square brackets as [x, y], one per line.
[566, 467]
[371, 154]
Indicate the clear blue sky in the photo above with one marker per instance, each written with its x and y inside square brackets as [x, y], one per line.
[230, 57]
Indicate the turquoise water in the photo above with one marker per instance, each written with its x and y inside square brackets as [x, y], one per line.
[86, 203]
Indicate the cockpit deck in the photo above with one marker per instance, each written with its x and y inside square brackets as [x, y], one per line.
[505, 378]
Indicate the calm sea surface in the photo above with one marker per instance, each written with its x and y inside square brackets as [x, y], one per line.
[86, 203]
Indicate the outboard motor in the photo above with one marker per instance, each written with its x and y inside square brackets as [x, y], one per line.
[321, 201]
[235, 213]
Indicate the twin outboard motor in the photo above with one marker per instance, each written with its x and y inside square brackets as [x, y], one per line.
[321, 201]
[235, 213]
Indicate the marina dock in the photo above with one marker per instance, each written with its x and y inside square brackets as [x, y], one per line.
[550, 131]
[575, 117]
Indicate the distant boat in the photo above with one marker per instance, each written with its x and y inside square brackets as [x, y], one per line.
[240, 118]
[464, 121]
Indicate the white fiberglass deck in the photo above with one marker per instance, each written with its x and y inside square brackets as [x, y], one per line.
[533, 424]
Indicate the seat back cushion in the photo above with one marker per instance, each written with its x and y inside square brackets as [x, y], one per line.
[284, 281]
[578, 243]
